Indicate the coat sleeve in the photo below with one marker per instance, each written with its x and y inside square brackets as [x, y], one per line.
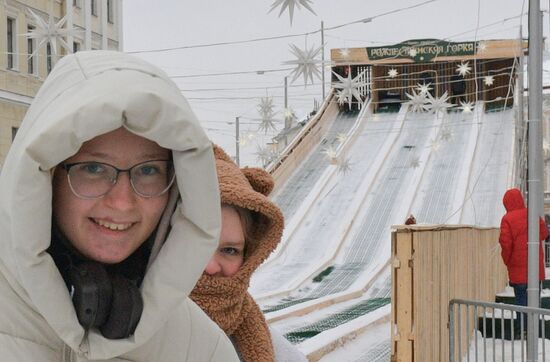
[506, 240]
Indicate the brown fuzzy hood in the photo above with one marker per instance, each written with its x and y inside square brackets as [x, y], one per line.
[248, 188]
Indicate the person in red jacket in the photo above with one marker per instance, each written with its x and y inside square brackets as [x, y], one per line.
[513, 242]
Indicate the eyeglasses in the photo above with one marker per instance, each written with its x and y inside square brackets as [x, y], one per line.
[93, 180]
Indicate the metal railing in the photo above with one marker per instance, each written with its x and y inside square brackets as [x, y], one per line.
[482, 331]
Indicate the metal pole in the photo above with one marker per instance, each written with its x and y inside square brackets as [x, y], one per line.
[323, 59]
[520, 122]
[535, 195]
[237, 140]
[287, 119]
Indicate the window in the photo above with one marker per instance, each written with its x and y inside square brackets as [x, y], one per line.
[76, 46]
[48, 58]
[93, 5]
[11, 43]
[110, 11]
[31, 63]
[14, 132]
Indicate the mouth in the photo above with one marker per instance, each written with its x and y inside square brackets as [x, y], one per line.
[112, 225]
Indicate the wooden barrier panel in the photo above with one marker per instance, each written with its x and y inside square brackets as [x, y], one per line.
[430, 266]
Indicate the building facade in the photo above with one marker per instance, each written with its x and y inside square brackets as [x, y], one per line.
[97, 24]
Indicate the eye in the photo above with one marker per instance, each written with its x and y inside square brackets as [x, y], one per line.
[148, 170]
[92, 168]
[230, 251]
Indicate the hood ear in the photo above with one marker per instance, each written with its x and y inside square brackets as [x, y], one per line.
[220, 154]
[260, 180]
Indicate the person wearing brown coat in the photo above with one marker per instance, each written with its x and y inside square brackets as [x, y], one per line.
[252, 227]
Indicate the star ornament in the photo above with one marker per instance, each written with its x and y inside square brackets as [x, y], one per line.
[423, 88]
[50, 32]
[291, 4]
[413, 52]
[464, 69]
[466, 107]
[344, 166]
[344, 53]
[349, 88]
[392, 73]
[438, 104]
[331, 154]
[306, 63]
[417, 101]
[488, 80]
[341, 137]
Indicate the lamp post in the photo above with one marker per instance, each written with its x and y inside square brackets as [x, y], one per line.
[237, 141]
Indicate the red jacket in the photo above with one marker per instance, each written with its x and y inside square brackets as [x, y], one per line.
[513, 238]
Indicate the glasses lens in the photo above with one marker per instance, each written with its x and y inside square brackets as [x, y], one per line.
[152, 178]
[91, 179]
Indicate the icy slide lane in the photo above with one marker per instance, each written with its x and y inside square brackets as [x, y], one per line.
[299, 184]
[319, 228]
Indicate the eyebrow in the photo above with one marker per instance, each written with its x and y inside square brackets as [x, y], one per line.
[234, 242]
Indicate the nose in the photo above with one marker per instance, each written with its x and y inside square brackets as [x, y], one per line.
[122, 195]
[213, 267]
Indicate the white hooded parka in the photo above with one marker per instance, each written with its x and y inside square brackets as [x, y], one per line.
[86, 95]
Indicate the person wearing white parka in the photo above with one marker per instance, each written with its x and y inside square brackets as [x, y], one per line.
[110, 212]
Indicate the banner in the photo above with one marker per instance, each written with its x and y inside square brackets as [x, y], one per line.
[422, 50]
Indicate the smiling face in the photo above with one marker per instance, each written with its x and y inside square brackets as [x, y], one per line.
[229, 255]
[110, 228]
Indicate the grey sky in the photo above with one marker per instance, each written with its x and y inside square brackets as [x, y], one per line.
[150, 25]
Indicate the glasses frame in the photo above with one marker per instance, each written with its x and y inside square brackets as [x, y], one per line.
[67, 167]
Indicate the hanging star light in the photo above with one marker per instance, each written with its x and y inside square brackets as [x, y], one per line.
[289, 115]
[305, 63]
[344, 165]
[481, 46]
[435, 145]
[50, 32]
[265, 109]
[413, 52]
[488, 80]
[344, 53]
[263, 154]
[466, 107]
[341, 137]
[423, 88]
[415, 162]
[341, 97]
[290, 4]
[349, 87]
[392, 73]
[331, 154]
[437, 104]
[464, 69]
[417, 101]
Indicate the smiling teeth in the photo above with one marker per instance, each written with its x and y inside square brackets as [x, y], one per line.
[113, 226]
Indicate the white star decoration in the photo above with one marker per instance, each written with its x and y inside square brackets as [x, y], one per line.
[415, 162]
[349, 87]
[413, 52]
[344, 53]
[50, 32]
[481, 46]
[344, 165]
[488, 80]
[392, 73]
[290, 4]
[423, 88]
[437, 104]
[466, 107]
[341, 137]
[464, 69]
[289, 114]
[331, 154]
[446, 134]
[417, 101]
[265, 155]
[305, 63]
[265, 108]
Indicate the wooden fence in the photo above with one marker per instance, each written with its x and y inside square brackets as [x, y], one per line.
[430, 266]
